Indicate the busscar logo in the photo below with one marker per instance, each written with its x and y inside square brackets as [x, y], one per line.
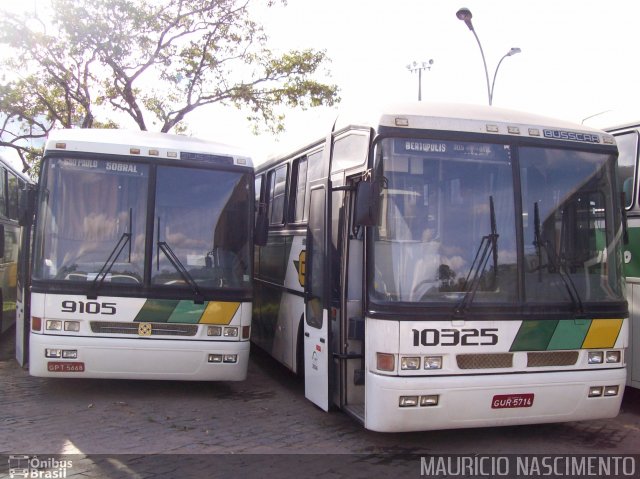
[38, 468]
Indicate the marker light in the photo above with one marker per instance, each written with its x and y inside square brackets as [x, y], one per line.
[385, 362]
[54, 325]
[410, 363]
[246, 332]
[595, 357]
[36, 323]
[433, 362]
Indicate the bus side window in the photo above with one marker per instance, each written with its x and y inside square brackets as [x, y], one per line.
[277, 194]
[12, 196]
[3, 192]
[297, 212]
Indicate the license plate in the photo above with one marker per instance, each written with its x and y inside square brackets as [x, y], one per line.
[505, 401]
[65, 367]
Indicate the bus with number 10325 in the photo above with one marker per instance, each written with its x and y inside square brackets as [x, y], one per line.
[442, 266]
[142, 258]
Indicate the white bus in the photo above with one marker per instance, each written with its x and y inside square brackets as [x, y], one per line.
[446, 266]
[142, 255]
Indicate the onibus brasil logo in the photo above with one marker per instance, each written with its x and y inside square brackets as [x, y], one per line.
[38, 468]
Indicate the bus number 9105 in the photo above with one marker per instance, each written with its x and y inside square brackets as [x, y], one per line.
[89, 307]
[455, 337]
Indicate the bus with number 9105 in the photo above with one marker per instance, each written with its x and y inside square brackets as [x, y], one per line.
[142, 258]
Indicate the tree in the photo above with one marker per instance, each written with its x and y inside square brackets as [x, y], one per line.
[154, 61]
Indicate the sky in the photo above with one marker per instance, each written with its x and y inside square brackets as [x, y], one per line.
[577, 58]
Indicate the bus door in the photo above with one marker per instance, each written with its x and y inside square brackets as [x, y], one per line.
[316, 324]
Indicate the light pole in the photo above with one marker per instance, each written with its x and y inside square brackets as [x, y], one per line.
[464, 14]
[418, 67]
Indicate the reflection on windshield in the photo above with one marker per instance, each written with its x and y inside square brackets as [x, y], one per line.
[203, 217]
[435, 212]
[87, 208]
[569, 226]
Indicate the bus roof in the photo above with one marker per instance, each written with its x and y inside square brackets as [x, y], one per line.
[139, 143]
[464, 117]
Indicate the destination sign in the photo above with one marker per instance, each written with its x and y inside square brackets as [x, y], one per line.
[117, 167]
[449, 149]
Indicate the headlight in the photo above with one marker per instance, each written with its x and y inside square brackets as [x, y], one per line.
[595, 357]
[410, 363]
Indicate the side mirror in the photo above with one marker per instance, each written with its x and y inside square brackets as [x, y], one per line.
[262, 226]
[26, 205]
[367, 203]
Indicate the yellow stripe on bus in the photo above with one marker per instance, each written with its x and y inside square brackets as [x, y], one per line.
[219, 312]
[602, 333]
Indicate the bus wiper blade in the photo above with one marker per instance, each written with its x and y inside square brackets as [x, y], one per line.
[557, 263]
[173, 259]
[124, 240]
[108, 264]
[488, 248]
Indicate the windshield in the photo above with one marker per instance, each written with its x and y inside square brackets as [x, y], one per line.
[447, 230]
[78, 229]
[93, 216]
[570, 226]
[202, 219]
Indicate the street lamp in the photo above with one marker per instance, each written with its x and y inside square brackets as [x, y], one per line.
[418, 67]
[464, 14]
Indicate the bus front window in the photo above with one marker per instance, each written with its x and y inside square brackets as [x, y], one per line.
[571, 242]
[78, 230]
[442, 205]
[201, 221]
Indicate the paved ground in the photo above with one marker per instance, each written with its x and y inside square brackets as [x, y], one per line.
[263, 425]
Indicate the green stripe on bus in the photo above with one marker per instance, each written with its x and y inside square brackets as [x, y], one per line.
[157, 310]
[534, 335]
[187, 312]
[569, 334]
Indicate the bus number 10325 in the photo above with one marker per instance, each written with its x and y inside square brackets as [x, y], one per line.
[455, 337]
[89, 307]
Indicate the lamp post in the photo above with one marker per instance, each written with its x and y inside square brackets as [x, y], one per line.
[418, 67]
[464, 14]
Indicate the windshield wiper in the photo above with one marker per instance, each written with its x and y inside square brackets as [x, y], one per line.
[556, 262]
[488, 244]
[175, 261]
[97, 282]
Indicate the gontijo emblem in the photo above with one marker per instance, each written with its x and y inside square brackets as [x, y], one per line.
[144, 329]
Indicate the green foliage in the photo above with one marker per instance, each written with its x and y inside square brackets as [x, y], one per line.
[93, 63]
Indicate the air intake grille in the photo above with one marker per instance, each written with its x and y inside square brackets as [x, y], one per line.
[485, 361]
[164, 329]
[551, 358]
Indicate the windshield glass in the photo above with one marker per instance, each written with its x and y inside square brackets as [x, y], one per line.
[78, 230]
[202, 221]
[440, 203]
[447, 229]
[571, 247]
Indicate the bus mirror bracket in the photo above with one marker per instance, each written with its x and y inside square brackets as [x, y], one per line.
[367, 202]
